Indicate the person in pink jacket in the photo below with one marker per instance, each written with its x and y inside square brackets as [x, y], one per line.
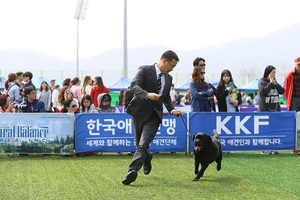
[76, 90]
[292, 87]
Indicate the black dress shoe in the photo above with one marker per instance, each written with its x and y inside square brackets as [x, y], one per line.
[131, 176]
[147, 165]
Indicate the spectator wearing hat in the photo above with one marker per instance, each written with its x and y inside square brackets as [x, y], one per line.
[104, 104]
[292, 87]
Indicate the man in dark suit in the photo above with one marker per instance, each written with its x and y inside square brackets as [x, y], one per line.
[151, 87]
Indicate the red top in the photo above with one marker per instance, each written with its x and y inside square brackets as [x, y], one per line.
[95, 92]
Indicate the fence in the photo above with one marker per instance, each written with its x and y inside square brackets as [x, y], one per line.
[58, 133]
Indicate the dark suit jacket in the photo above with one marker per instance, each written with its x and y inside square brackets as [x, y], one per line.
[143, 83]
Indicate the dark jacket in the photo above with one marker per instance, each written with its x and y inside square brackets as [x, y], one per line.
[221, 94]
[36, 106]
[269, 95]
[29, 84]
[143, 83]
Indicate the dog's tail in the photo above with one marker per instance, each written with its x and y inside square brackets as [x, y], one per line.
[216, 134]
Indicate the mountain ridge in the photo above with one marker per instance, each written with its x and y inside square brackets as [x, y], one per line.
[253, 54]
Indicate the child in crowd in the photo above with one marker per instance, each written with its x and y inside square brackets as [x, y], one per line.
[87, 105]
[104, 102]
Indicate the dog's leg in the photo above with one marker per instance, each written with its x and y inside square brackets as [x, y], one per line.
[219, 166]
[219, 158]
[201, 172]
[196, 167]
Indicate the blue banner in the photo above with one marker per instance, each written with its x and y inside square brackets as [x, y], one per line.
[257, 131]
[113, 132]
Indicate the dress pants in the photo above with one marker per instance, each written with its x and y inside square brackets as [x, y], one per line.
[144, 134]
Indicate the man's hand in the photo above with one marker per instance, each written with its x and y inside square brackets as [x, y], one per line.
[177, 113]
[153, 96]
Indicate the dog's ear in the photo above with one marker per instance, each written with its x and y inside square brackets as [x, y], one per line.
[197, 136]
[194, 137]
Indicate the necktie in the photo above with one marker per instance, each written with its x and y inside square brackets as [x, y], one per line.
[159, 82]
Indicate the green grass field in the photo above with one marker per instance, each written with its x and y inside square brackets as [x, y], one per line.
[243, 176]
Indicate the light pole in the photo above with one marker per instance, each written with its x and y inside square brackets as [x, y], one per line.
[125, 41]
[80, 13]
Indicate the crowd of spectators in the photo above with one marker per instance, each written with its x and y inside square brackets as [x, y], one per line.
[21, 95]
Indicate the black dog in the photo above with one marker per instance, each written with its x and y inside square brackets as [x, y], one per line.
[206, 151]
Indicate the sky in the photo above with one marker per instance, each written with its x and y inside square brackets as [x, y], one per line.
[49, 27]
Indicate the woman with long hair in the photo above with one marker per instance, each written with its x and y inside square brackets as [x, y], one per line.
[12, 88]
[64, 94]
[87, 85]
[269, 90]
[201, 91]
[98, 88]
[87, 105]
[227, 94]
[44, 94]
[67, 82]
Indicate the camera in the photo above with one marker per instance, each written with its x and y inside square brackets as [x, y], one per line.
[21, 92]
[20, 106]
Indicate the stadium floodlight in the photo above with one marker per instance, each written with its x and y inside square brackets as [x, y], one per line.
[125, 63]
[80, 14]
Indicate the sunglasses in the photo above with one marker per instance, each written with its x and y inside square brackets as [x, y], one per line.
[202, 73]
[68, 92]
[74, 106]
[171, 64]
